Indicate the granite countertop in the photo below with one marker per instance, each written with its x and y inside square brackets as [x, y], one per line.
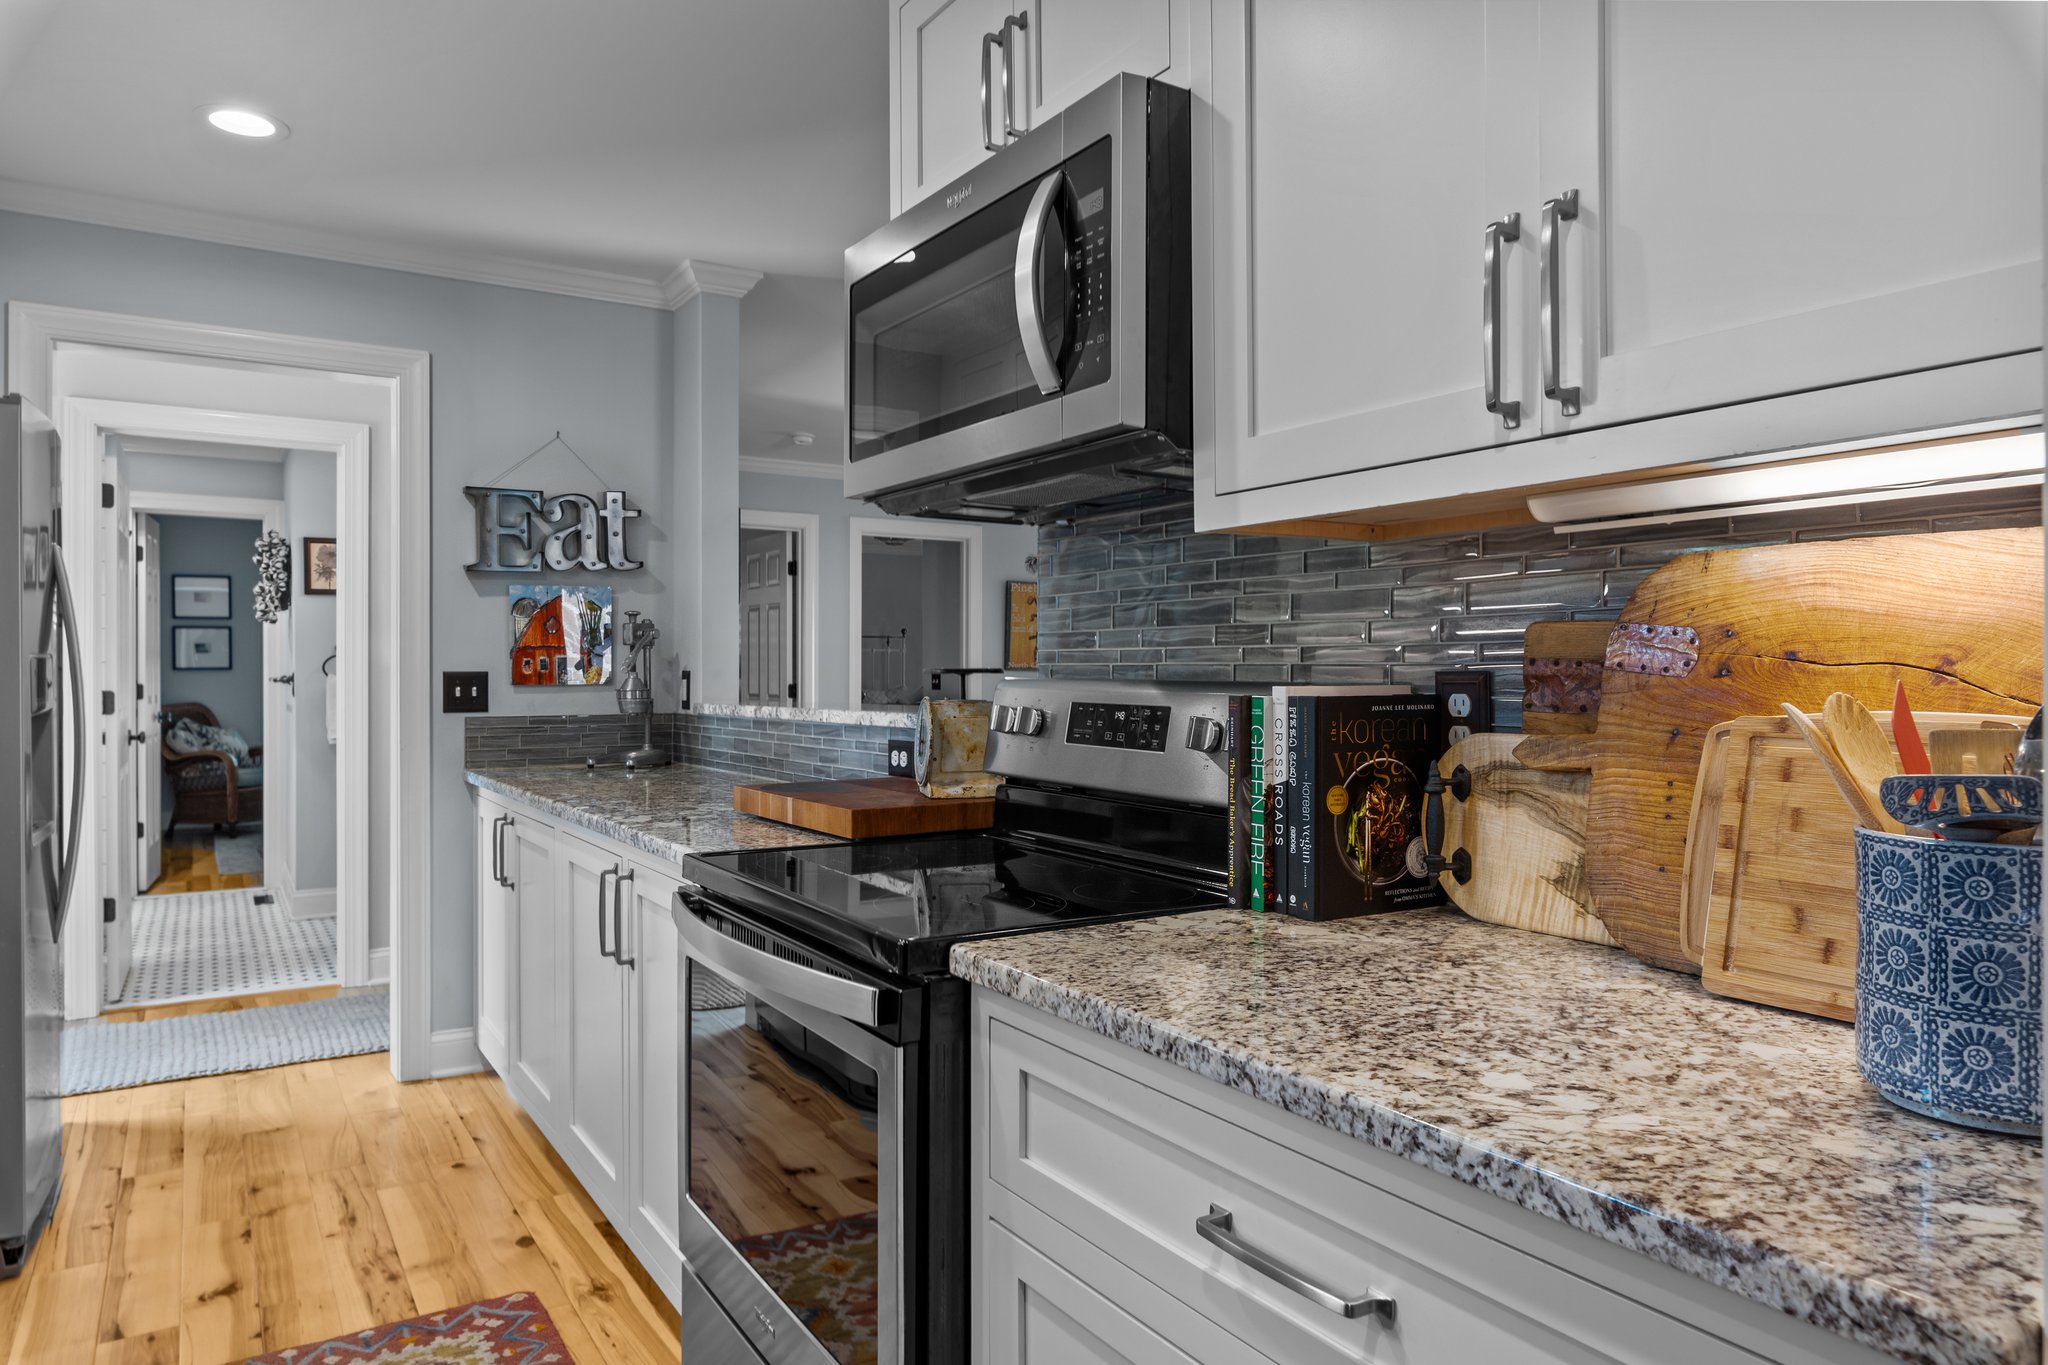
[1732, 1141]
[666, 812]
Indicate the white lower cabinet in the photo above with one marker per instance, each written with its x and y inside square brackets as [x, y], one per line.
[577, 956]
[1096, 1171]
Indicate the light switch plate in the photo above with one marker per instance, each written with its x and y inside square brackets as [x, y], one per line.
[468, 692]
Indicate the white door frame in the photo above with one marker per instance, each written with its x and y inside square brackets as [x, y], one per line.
[967, 534]
[85, 425]
[403, 637]
[805, 524]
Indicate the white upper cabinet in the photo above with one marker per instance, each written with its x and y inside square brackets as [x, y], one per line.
[1774, 225]
[1041, 56]
[1787, 196]
[1362, 148]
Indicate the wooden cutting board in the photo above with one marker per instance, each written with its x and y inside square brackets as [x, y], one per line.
[1771, 869]
[1525, 830]
[1561, 672]
[862, 807]
[1727, 633]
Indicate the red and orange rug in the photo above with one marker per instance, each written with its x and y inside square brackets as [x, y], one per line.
[513, 1330]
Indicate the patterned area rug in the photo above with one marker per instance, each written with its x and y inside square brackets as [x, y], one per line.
[98, 1055]
[513, 1330]
[825, 1272]
[211, 943]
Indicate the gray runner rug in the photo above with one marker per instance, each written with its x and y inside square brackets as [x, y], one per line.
[103, 1056]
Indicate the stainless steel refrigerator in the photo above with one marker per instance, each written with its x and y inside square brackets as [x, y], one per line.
[42, 745]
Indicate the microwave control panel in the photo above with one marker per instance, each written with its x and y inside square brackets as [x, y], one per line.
[1088, 261]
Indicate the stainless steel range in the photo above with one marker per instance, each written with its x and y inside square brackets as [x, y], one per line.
[824, 1068]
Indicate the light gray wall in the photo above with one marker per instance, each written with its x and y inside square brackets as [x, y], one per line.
[216, 545]
[309, 497]
[1005, 550]
[224, 478]
[510, 368]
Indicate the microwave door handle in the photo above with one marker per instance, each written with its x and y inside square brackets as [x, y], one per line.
[749, 966]
[1045, 368]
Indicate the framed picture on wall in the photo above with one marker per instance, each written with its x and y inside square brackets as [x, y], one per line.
[319, 574]
[1020, 633]
[202, 648]
[201, 597]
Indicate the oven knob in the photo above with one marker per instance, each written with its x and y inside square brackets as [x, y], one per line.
[1018, 720]
[1205, 733]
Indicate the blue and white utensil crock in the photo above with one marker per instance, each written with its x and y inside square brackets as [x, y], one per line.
[1948, 977]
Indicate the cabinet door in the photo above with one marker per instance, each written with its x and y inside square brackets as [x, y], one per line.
[1069, 47]
[938, 91]
[1041, 1315]
[1789, 196]
[494, 939]
[594, 1138]
[540, 991]
[1358, 150]
[655, 1194]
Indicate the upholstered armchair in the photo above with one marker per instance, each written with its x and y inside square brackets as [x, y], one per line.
[207, 786]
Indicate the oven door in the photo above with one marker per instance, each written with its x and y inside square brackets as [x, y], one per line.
[796, 1124]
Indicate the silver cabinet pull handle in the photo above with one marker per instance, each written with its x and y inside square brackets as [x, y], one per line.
[618, 921]
[498, 850]
[1040, 224]
[1018, 22]
[1508, 229]
[1215, 1229]
[504, 862]
[1564, 208]
[988, 111]
[608, 872]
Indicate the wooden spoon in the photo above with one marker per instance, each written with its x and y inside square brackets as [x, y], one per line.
[1867, 815]
[1864, 749]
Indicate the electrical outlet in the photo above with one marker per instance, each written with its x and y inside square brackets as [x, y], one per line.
[465, 692]
[1464, 704]
[902, 758]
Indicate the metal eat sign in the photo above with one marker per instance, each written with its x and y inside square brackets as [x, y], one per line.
[510, 518]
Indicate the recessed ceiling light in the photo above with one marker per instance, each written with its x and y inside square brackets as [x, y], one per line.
[244, 122]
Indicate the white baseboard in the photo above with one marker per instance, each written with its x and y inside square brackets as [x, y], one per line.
[320, 903]
[453, 1052]
[380, 966]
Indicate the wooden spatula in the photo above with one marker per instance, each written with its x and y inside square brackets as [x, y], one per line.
[1865, 751]
[1986, 750]
[1866, 811]
[1906, 733]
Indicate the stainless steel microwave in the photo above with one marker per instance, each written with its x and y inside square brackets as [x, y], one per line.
[1020, 342]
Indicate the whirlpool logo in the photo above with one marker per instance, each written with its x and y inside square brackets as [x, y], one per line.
[959, 196]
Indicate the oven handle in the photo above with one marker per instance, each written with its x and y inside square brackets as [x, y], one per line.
[768, 973]
[1045, 367]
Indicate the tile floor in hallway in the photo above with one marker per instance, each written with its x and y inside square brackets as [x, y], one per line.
[205, 1221]
[216, 943]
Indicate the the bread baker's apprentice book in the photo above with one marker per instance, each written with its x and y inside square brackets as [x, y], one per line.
[1358, 801]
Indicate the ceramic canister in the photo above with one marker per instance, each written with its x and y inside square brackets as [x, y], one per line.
[1948, 978]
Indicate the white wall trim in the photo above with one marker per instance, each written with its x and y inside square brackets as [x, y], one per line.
[968, 535]
[671, 291]
[454, 1053]
[788, 468]
[692, 278]
[403, 501]
[808, 571]
[322, 903]
[380, 969]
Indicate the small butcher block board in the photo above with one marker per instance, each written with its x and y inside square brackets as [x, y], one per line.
[862, 807]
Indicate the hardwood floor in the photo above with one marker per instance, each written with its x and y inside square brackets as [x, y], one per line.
[205, 1221]
[189, 866]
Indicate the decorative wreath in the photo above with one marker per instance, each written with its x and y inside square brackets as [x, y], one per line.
[273, 561]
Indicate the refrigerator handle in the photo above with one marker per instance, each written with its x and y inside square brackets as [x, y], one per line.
[68, 622]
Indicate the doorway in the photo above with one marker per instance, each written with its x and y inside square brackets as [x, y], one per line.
[916, 603]
[768, 618]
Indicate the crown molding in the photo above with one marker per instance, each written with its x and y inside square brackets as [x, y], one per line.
[801, 469]
[692, 278]
[682, 284]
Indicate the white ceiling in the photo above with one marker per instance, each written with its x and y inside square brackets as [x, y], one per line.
[613, 136]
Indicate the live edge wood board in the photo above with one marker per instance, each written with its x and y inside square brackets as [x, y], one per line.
[1956, 617]
[863, 807]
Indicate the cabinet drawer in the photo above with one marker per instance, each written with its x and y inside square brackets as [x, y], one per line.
[1131, 1169]
[1038, 1314]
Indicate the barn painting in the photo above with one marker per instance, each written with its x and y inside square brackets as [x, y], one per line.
[561, 637]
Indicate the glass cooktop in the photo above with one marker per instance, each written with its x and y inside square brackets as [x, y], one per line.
[902, 903]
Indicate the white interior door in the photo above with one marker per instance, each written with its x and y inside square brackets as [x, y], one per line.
[119, 741]
[767, 618]
[149, 681]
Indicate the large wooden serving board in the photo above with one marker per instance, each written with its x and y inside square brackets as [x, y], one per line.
[1954, 616]
[1561, 676]
[1525, 830]
[862, 807]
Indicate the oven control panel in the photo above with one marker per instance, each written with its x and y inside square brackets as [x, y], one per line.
[1140, 739]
